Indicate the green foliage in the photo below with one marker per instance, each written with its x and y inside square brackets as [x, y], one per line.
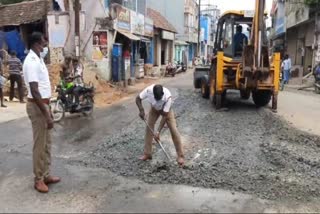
[10, 1]
[312, 2]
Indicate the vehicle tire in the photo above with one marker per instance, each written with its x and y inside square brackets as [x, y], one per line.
[218, 101]
[261, 97]
[88, 101]
[57, 110]
[197, 83]
[205, 89]
[245, 94]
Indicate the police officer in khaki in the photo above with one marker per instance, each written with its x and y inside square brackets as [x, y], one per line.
[36, 78]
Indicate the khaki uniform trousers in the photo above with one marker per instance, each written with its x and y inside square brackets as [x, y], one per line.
[172, 124]
[42, 142]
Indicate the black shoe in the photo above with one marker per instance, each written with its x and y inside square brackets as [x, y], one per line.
[3, 106]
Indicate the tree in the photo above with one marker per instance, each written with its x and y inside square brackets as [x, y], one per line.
[312, 2]
[10, 1]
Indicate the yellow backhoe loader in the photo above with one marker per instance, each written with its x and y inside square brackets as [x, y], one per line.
[241, 60]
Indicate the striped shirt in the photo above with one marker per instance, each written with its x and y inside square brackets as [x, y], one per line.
[15, 65]
[1, 66]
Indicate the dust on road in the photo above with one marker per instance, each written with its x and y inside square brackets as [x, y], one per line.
[244, 149]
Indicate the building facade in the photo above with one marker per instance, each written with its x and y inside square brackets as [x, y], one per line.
[191, 16]
[277, 35]
[163, 40]
[213, 13]
[295, 31]
[174, 12]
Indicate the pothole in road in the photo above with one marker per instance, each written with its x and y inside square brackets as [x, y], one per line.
[238, 150]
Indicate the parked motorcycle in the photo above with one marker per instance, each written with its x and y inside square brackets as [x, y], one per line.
[171, 69]
[181, 67]
[65, 102]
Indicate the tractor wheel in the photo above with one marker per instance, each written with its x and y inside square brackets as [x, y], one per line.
[317, 89]
[245, 94]
[204, 89]
[218, 101]
[261, 97]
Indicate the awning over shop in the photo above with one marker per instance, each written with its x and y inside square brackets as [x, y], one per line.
[274, 37]
[180, 42]
[129, 35]
[145, 39]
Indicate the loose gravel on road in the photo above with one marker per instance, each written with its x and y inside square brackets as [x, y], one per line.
[244, 149]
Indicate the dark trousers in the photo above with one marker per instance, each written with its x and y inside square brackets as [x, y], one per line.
[16, 78]
[76, 92]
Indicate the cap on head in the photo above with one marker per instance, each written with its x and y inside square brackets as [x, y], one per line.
[158, 92]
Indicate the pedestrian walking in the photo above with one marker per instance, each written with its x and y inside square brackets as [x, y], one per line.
[2, 82]
[15, 71]
[160, 99]
[36, 77]
[286, 68]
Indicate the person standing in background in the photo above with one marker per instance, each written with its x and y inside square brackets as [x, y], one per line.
[15, 71]
[286, 67]
[2, 82]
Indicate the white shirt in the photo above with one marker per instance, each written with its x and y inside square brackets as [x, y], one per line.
[35, 70]
[286, 64]
[163, 104]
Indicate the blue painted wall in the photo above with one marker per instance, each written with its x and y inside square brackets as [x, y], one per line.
[205, 24]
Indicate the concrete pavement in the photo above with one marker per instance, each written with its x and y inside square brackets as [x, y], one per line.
[301, 109]
[14, 110]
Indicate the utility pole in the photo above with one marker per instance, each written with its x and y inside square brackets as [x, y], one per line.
[77, 26]
[199, 28]
[137, 7]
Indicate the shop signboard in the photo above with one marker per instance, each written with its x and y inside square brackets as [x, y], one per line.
[280, 26]
[167, 35]
[123, 19]
[137, 23]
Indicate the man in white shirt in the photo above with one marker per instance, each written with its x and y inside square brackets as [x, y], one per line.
[161, 101]
[36, 78]
[286, 68]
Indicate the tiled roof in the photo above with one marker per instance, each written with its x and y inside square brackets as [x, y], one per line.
[23, 13]
[160, 21]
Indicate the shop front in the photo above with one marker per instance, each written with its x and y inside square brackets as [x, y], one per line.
[181, 52]
[163, 39]
[141, 46]
[125, 37]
